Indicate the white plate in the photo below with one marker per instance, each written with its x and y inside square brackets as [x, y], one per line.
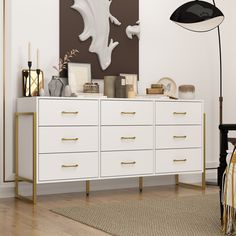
[170, 87]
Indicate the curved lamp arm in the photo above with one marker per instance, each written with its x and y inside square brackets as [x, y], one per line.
[221, 75]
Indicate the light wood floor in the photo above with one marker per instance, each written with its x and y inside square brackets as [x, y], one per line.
[18, 218]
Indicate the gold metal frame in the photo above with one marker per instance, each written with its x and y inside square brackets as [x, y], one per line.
[140, 184]
[87, 188]
[203, 184]
[34, 155]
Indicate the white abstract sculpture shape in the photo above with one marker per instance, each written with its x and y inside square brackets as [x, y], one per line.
[132, 30]
[96, 15]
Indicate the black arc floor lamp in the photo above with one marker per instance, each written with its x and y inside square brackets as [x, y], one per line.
[201, 16]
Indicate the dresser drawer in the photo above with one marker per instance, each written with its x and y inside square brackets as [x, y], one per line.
[126, 163]
[126, 138]
[178, 113]
[178, 137]
[127, 113]
[68, 112]
[68, 139]
[67, 166]
[179, 160]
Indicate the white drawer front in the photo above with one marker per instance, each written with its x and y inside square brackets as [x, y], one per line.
[68, 139]
[67, 166]
[178, 113]
[179, 160]
[126, 163]
[178, 137]
[126, 138]
[127, 113]
[68, 112]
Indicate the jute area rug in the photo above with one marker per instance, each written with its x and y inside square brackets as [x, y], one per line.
[183, 216]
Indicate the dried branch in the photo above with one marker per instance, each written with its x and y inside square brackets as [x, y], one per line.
[67, 58]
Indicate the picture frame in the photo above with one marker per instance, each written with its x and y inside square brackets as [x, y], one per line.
[78, 75]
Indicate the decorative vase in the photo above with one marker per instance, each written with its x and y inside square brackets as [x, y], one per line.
[109, 86]
[67, 91]
[55, 87]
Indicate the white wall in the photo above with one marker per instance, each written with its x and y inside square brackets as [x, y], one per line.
[186, 57]
[165, 50]
[34, 21]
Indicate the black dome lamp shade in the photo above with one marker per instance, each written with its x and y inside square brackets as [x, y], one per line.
[198, 16]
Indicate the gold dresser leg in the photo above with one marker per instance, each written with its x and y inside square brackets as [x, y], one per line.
[19, 178]
[87, 188]
[177, 179]
[140, 184]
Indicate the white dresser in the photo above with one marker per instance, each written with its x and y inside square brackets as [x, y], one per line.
[70, 139]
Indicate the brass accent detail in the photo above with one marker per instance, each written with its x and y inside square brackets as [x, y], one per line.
[87, 188]
[180, 113]
[140, 184]
[70, 166]
[180, 137]
[34, 154]
[69, 139]
[128, 163]
[69, 112]
[128, 113]
[180, 160]
[203, 184]
[128, 138]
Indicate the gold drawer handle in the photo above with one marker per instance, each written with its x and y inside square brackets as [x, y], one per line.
[180, 113]
[128, 163]
[128, 138]
[70, 166]
[180, 160]
[69, 112]
[180, 137]
[128, 113]
[69, 139]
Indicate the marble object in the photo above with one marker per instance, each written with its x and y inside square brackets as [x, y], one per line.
[96, 15]
[109, 86]
[133, 30]
[187, 92]
[67, 91]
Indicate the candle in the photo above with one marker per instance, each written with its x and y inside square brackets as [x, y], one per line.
[29, 51]
[37, 58]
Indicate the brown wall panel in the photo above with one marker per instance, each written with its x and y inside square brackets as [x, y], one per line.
[125, 57]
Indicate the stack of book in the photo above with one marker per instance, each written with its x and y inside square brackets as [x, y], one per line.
[155, 89]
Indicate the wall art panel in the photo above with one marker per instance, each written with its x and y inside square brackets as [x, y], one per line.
[97, 28]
